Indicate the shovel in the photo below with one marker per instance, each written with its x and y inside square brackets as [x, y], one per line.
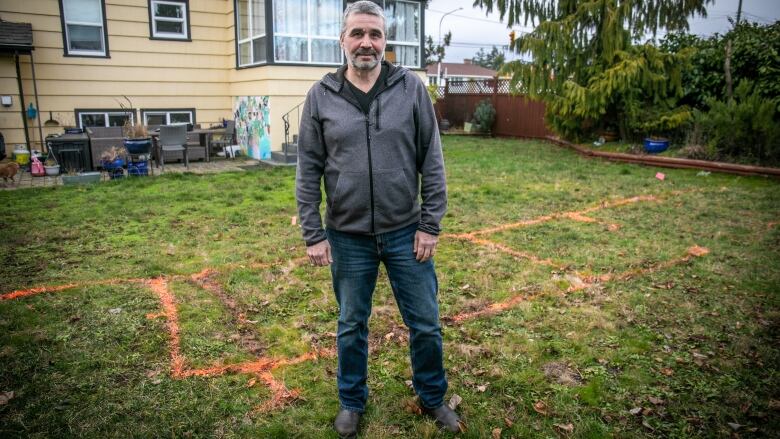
[51, 122]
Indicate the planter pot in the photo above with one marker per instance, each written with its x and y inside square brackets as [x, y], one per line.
[138, 169]
[656, 145]
[444, 125]
[52, 170]
[138, 146]
[467, 127]
[82, 178]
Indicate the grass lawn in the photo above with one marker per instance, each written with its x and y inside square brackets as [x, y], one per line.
[580, 298]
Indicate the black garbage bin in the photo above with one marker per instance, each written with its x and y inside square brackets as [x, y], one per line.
[72, 152]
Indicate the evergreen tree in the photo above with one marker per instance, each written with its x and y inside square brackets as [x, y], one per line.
[434, 53]
[492, 60]
[589, 66]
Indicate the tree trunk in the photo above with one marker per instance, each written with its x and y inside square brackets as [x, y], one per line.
[727, 68]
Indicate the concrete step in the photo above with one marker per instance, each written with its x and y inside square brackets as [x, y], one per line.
[290, 148]
[278, 156]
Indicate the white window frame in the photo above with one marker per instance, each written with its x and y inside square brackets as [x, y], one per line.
[105, 114]
[100, 24]
[309, 37]
[167, 115]
[184, 24]
[250, 39]
[419, 33]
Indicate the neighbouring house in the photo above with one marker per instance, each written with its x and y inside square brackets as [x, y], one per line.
[457, 72]
[178, 61]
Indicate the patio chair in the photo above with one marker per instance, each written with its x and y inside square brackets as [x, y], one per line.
[226, 141]
[173, 139]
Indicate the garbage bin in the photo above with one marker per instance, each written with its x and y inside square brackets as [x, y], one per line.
[72, 152]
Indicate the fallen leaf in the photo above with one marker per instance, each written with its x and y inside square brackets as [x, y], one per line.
[774, 404]
[508, 422]
[465, 287]
[171, 250]
[115, 310]
[152, 373]
[635, 411]
[409, 384]
[411, 406]
[647, 411]
[647, 425]
[251, 382]
[666, 371]
[496, 433]
[568, 428]
[5, 397]
[293, 220]
[482, 388]
[455, 401]
[656, 401]
[540, 407]
[734, 426]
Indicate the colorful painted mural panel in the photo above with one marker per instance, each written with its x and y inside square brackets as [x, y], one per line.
[253, 125]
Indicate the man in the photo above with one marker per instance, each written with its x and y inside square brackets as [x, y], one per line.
[370, 130]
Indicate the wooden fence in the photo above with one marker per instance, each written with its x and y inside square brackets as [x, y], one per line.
[516, 115]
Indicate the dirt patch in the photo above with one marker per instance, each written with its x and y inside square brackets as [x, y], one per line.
[561, 373]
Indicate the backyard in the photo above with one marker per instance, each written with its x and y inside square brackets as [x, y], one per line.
[580, 298]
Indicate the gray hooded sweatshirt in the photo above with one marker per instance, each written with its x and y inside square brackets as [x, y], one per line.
[383, 170]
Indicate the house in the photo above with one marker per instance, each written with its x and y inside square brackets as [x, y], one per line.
[176, 61]
[457, 72]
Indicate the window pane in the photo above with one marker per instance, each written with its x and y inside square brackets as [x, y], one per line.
[173, 27]
[258, 18]
[118, 120]
[155, 119]
[291, 49]
[290, 16]
[168, 10]
[243, 19]
[93, 120]
[325, 18]
[87, 11]
[403, 55]
[258, 50]
[325, 51]
[244, 56]
[181, 118]
[85, 37]
[403, 21]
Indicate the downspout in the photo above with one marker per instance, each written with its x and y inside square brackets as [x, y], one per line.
[21, 101]
[35, 88]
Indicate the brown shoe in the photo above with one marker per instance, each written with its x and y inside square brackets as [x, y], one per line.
[446, 418]
[346, 424]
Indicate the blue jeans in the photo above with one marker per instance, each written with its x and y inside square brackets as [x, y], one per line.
[355, 267]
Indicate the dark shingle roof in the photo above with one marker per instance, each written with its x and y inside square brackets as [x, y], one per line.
[16, 36]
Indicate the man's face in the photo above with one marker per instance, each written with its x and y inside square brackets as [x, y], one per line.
[364, 41]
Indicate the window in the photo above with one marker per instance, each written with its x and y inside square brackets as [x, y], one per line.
[104, 118]
[250, 24]
[168, 117]
[307, 31]
[169, 19]
[403, 32]
[84, 27]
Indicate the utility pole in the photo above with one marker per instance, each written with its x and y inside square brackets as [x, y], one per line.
[739, 11]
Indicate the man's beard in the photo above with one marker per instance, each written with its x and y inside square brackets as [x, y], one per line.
[364, 65]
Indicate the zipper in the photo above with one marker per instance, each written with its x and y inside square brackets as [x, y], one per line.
[370, 172]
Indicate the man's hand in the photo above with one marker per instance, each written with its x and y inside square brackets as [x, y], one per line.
[319, 253]
[424, 246]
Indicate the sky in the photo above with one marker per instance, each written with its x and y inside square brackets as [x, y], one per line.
[472, 29]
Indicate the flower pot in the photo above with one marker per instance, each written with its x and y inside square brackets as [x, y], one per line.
[82, 178]
[654, 146]
[52, 170]
[138, 146]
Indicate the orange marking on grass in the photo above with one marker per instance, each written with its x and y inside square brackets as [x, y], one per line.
[280, 394]
[57, 288]
[160, 287]
[577, 216]
[515, 253]
[772, 224]
[692, 252]
[492, 309]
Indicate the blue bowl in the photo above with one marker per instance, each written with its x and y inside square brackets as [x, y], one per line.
[656, 145]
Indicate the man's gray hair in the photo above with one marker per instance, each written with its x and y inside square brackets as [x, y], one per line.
[363, 7]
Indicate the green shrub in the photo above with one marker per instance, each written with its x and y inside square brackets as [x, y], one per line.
[484, 115]
[744, 129]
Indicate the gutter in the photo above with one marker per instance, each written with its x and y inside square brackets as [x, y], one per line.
[669, 162]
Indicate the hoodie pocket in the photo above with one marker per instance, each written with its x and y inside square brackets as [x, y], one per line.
[351, 198]
[392, 195]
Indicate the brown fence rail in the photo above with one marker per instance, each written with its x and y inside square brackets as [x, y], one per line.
[516, 115]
